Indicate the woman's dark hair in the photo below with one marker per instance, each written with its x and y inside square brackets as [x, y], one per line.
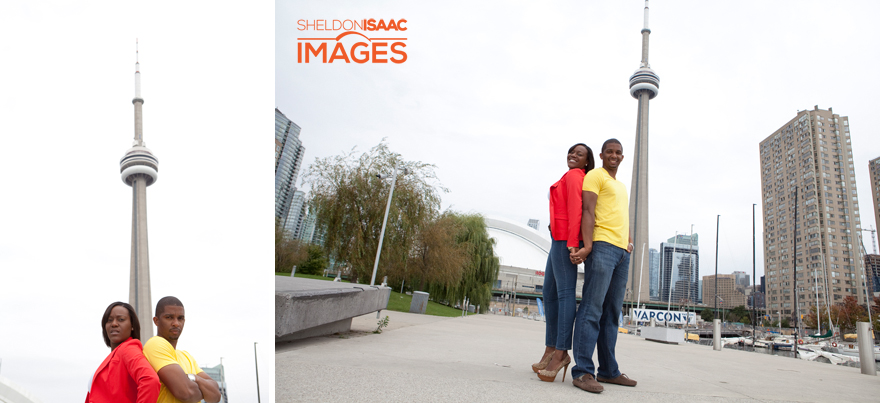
[135, 324]
[590, 163]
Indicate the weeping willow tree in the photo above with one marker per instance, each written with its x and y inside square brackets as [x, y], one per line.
[350, 202]
[480, 268]
[437, 259]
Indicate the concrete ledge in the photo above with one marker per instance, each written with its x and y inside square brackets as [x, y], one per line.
[307, 308]
[666, 335]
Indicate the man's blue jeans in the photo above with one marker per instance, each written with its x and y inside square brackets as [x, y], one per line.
[605, 273]
[560, 280]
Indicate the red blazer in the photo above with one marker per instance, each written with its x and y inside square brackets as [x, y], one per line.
[566, 207]
[125, 376]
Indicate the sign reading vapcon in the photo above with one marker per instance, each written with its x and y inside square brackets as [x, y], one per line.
[645, 315]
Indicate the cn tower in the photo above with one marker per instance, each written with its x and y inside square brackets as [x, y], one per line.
[644, 86]
[139, 168]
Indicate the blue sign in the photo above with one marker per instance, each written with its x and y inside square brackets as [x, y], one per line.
[540, 307]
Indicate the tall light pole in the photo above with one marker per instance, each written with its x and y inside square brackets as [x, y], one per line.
[385, 220]
[257, 367]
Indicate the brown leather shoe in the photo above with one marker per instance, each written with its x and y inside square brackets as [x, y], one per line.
[621, 379]
[588, 383]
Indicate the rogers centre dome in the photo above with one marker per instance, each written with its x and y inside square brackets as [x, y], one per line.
[517, 245]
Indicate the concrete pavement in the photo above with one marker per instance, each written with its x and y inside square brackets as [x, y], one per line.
[488, 358]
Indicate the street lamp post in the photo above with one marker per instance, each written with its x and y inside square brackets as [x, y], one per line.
[385, 220]
[257, 367]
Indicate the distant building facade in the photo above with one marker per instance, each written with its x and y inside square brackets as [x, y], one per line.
[729, 296]
[679, 270]
[654, 274]
[533, 223]
[874, 169]
[812, 152]
[293, 224]
[872, 266]
[289, 153]
[743, 280]
[216, 373]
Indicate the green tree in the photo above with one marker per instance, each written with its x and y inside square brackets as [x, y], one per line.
[480, 268]
[350, 202]
[315, 263]
[740, 314]
[436, 259]
[288, 251]
[707, 315]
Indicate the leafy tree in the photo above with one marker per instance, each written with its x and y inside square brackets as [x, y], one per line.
[350, 201]
[315, 263]
[436, 259]
[848, 313]
[707, 315]
[785, 322]
[480, 268]
[288, 251]
[740, 314]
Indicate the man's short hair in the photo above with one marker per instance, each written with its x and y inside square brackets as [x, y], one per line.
[167, 301]
[611, 141]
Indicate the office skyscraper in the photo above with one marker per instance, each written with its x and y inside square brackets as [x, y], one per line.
[654, 274]
[139, 168]
[288, 157]
[679, 270]
[812, 154]
[644, 86]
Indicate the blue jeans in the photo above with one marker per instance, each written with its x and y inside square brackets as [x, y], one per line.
[560, 279]
[605, 273]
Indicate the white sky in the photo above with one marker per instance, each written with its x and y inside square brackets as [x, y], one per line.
[66, 118]
[494, 93]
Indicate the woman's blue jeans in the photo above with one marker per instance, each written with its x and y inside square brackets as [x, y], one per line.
[560, 280]
[605, 272]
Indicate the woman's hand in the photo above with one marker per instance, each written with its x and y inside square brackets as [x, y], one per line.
[581, 254]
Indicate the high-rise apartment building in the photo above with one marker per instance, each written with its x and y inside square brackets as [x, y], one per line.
[288, 157]
[679, 269]
[293, 224]
[811, 157]
[654, 274]
[874, 169]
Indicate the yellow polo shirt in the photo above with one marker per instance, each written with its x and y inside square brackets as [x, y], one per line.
[159, 353]
[612, 208]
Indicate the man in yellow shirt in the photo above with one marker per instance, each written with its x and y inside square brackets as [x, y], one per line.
[607, 246]
[182, 379]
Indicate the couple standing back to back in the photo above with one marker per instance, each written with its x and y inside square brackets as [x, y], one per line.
[589, 223]
[156, 373]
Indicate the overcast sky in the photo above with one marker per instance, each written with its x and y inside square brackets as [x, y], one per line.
[66, 119]
[494, 94]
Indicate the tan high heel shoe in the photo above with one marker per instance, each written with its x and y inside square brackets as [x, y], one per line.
[550, 376]
[545, 361]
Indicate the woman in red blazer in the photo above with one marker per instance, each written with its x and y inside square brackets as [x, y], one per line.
[125, 375]
[560, 276]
